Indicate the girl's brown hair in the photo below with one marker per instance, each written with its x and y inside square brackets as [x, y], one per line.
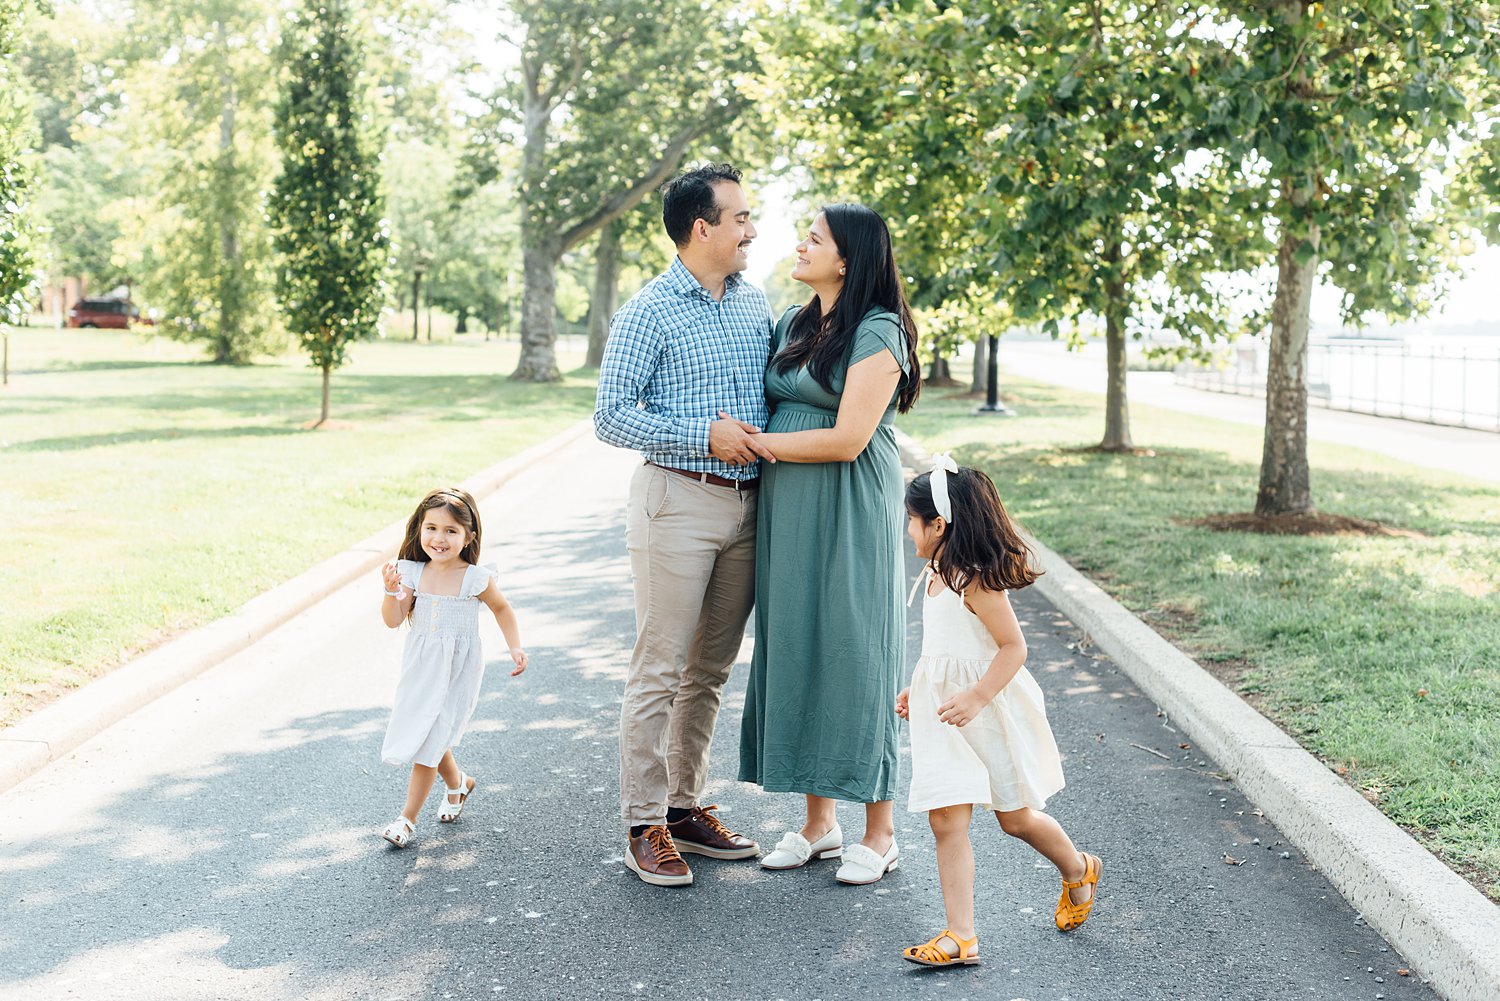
[980, 544]
[458, 504]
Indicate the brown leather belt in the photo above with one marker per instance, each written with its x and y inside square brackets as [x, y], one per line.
[711, 478]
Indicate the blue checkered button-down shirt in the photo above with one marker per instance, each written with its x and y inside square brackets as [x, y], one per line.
[676, 357]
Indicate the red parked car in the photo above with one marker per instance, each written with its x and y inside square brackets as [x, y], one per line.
[113, 313]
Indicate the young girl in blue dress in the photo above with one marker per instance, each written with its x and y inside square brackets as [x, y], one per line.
[437, 586]
[979, 732]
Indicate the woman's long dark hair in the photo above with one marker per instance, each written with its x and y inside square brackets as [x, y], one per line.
[872, 280]
[980, 543]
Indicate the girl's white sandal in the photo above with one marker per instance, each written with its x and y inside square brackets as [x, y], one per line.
[449, 811]
[862, 865]
[793, 850]
[399, 832]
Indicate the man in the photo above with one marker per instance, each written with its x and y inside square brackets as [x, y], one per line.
[693, 342]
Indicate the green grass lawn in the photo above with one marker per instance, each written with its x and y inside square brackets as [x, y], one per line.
[1380, 654]
[143, 492]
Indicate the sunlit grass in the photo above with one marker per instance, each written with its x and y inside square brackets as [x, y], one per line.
[143, 492]
[1380, 654]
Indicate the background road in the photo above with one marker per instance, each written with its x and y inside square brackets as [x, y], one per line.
[223, 842]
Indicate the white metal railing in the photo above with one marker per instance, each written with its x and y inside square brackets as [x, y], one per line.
[1451, 384]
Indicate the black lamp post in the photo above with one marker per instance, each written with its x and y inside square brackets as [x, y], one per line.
[992, 404]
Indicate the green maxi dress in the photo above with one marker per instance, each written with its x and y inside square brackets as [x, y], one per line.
[830, 636]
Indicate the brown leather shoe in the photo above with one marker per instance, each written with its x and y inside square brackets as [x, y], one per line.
[654, 858]
[701, 833]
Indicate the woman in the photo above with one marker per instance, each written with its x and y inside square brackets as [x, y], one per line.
[829, 623]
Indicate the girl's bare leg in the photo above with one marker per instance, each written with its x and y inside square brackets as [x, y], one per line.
[1046, 835]
[451, 773]
[955, 862]
[417, 788]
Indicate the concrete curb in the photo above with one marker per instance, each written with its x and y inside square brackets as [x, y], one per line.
[1446, 929]
[55, 730]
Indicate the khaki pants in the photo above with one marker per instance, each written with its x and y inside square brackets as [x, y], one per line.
[692, 556]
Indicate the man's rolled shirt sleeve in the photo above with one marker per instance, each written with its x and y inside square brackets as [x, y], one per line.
[631, 356]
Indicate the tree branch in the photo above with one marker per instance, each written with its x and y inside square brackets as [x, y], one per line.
[653, 177]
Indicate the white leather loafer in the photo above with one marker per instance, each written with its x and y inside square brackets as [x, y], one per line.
[793, 850]
[862, 865]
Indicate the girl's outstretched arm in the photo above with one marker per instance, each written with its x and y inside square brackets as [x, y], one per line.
[396, 604]
[505, 616]
[993, 609]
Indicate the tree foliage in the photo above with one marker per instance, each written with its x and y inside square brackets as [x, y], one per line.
[327, 209]
[1029, 159]
[199, 76]
[17, 267]
[609, 99]
[1346, 123]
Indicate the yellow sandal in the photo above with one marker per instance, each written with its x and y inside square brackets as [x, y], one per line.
[1070, 915]
[929, 953]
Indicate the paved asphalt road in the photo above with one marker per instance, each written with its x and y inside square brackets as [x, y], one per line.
[221, 843]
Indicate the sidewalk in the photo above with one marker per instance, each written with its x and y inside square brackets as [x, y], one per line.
[221, 841]
[1457, 450]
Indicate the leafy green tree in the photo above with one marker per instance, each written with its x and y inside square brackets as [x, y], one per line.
[17, 268]
[199, 80]
[84, 193]
[1112, 214]
[69, 59]
[327, 207]
[482, 253]
[1340, 116]
[609, 98]
[881, 104]
[1030, 154]
[423, 208]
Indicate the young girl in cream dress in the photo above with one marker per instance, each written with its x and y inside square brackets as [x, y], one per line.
[979, 733]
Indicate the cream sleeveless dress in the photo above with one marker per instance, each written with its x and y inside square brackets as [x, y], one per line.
[442, 668]
[1003, 759]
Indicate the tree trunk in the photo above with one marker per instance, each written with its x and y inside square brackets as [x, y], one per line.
[416, 301]
[544, 240]
[938, 374]
[538, 307]
[327, 370]
[1285, 485]
[981, 381]
[1116, 404]
[230, 299]
[463, 321]
[606, 297]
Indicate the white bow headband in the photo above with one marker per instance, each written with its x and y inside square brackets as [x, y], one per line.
[942, 465]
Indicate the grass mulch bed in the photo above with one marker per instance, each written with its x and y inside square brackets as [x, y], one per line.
[146, 492]
[1370, 632]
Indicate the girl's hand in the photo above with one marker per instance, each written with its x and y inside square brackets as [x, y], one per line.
[903, 704]
[392, 578]
[519, 656]
[962, 708]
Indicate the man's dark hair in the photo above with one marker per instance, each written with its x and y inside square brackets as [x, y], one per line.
[689, 197]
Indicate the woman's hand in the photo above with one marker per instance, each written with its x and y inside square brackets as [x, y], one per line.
[962, 708]
[903, 703]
